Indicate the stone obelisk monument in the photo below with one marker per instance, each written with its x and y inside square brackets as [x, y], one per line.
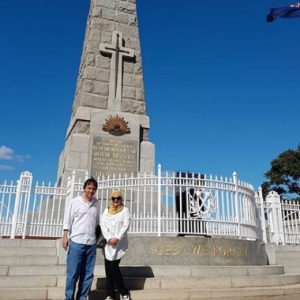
[108, 131]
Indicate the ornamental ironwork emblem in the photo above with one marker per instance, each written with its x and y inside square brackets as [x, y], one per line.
[202, 204]
[116, 126]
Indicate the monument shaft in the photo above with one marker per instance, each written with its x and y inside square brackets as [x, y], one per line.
[108, 131]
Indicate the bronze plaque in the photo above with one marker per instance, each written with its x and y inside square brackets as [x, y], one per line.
[113, 156]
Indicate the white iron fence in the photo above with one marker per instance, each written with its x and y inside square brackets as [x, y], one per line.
[280, 219]
[28, 210]
[164, 204]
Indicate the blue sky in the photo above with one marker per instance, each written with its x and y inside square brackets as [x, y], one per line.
[221, 84]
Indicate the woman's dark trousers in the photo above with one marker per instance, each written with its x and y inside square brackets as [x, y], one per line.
[114, 278]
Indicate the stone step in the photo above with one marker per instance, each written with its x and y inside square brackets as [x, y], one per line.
[28, 261]
[288, 248]
[281, 292]
[3, 270]
[35, 271]
[164, 283]
[141, 271]
[61, 282]
[287, 261]
[295, 297]
[54, 293]
[288, 254]
[143, 274]
[281, 297]
[181, 288]
[42, 270]
[151, 285]
[58, 293]
[28, 251]
[138, 283]
[27, 281]
[292, 269]
[31, 243]
[190, 271]
[24, 294]
[277, 293]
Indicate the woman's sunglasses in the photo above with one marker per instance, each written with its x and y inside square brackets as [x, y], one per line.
[115, 199]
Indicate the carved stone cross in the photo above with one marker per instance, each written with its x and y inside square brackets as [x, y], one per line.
[117, 52]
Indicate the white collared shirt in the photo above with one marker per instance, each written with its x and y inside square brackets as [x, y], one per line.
[81, 219]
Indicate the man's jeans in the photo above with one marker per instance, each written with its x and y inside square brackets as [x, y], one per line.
[80, 265]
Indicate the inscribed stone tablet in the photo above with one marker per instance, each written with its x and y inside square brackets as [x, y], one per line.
[112, 155]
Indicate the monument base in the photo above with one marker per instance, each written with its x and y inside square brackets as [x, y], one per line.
[192, 251]
[187, 251]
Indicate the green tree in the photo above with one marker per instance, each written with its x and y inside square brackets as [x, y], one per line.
[284, 175]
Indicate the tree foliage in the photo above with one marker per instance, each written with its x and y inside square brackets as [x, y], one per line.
[284, 175]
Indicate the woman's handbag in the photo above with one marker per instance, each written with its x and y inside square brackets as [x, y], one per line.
[101, 241]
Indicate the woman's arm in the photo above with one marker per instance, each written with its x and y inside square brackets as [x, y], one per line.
[103, 223]
[126, 223]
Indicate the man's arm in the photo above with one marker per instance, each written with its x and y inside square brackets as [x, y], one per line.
[65, 240]
[66, 227]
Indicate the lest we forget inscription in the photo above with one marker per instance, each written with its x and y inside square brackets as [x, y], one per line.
[194, 251]
[113, 156]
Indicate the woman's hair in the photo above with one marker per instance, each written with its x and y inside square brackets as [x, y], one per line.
[116, 194]
[90, 181]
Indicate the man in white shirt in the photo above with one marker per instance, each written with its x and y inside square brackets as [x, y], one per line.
[80, 221]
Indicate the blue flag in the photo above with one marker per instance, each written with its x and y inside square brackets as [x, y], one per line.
[290, 11]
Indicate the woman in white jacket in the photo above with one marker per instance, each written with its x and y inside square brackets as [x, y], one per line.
[115, 223]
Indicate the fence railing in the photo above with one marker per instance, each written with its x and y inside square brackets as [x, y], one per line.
[279, 219]
[166, 203]
[163, 204]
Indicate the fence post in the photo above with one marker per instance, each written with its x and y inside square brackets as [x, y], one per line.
[262, 213]
[159, 201]
[23, 188]
[16, 209]
[237, 207]
[26, 191]
[275, 216]
[70, 189]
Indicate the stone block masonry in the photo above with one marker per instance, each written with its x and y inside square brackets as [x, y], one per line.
[109, 110]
